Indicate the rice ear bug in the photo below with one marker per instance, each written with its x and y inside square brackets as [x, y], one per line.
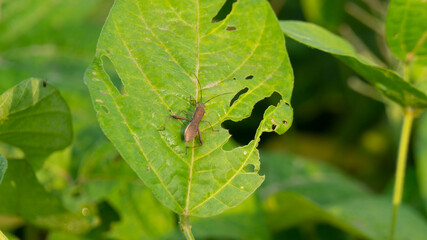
[192, 128]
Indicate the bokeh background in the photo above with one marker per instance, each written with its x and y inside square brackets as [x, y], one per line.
[340, 122]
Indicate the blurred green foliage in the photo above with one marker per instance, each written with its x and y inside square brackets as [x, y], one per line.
[338, 121]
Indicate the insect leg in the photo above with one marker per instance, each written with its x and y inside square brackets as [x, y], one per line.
[193, 101]
[176, 117]
[213, 130]
[185, 112]
[200, 137]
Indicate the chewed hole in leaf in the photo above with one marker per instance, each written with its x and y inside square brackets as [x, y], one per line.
[249, 77]
[224, 11]
[243, 91]
[244, 131]
[114, 77]
[284, 122]
[249, 168]
[273, 126]
[105, 109]
[231, 28]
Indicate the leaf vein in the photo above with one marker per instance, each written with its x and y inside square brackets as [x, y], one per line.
[141, 17]
[257, 44]
[128, 126]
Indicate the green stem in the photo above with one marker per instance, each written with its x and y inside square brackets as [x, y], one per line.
[401, 166]
[2, 236]
[186, 227]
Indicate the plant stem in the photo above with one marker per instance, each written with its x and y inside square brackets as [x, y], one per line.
[186, 227]
[401, 166]
[2, 236]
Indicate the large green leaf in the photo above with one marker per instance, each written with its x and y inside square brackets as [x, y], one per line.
[23, 196]
[386, 81]
[406, 29]
[3, 166]
[35, 118]
[159, 49]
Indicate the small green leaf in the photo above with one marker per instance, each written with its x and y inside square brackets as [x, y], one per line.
[35, 118]
[406, 29]
[162, 50]
[3, 166]
[23, 196]
[384, 80]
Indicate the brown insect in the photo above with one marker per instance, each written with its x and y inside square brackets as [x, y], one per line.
[192, 128]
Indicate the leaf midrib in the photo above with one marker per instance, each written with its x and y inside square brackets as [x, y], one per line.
[187, 200]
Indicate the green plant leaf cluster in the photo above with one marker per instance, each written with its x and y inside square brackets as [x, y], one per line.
[386, 81]
[35, 118]
[304, 191]
[161, 65]
[406, 37]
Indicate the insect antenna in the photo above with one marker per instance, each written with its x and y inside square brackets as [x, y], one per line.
[201, 94]
[200, 88]
[218, 96]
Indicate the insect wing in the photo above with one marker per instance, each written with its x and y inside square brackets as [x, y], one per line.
[190, 131]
